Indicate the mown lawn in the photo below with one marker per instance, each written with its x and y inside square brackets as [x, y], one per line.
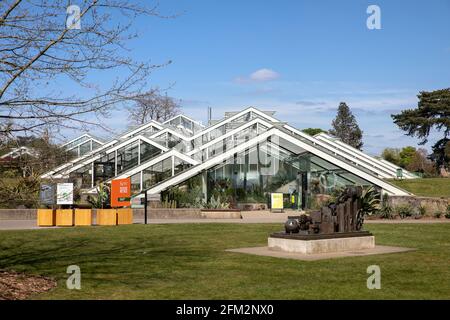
[188, 261]
[427, 187]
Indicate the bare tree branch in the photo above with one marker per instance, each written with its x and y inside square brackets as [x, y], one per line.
[38, 51]
[152, 105]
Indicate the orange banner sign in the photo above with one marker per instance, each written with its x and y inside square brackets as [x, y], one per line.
[121, 193]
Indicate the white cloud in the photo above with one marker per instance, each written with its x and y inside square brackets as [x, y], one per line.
[261, 75]
[264, 75]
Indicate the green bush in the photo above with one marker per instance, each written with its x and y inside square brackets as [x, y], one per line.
[386, 210]
[447, 212]
[217, 203]
[404, 211]
[193, 198]
[438, 214]
[102, 199]
[422, 211]
[370, 201]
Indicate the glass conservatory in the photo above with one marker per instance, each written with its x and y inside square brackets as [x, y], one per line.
[242, 158]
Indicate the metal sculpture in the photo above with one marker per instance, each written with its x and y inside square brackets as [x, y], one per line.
[343, 216]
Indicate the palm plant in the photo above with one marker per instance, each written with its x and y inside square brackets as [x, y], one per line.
[370, 204]
[101, 200]
[386, 210]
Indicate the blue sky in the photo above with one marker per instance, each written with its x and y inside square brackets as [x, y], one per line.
[299, 58]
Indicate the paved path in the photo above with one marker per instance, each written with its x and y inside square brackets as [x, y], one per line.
[18, 225]
[265, 251]
[246, 218]
[413, 221]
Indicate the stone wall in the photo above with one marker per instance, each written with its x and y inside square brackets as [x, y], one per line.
[153, 213]
[163, 213]
[18, 214]
[431, 205]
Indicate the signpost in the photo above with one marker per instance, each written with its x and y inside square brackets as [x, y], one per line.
[121, 193]
[64, 193]
[276, 201]
[145, 206]
[47, 193]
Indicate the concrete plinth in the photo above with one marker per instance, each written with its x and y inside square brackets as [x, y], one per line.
[321, 245]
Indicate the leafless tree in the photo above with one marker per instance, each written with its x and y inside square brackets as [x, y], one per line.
[41, 47]
[153, 106]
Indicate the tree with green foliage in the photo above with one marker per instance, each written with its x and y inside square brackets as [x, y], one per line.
[346, 128]
[20, 177]
[406, 156]
[392, 155]
[400, 157]
[421, 163]
[433, 111]
[313, 131]
[441, 153]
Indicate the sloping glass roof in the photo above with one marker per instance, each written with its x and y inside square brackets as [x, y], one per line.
[200, 146]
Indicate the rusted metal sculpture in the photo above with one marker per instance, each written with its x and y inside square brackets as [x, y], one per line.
[343, 216]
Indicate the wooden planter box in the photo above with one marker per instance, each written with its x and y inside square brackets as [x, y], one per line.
[64, 217]
[125, 216]
[45, 217]
[83, 217]
[106, 217]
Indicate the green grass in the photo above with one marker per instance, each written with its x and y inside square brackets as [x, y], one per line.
[188, 261]
[427, 187]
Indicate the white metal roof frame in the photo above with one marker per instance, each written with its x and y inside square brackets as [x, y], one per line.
[186, 117]
[183, 176]
[85, 141]
[364, 161]
[231, 133]
[357, 153]
[20, 151]
[230, 119]
[383, 171]
[77, 138]
[346, 156]
[145, 165]
[140, 129]
[74, 161]
[159, 126]
[314, 140]
[101, 148]
[114, 148]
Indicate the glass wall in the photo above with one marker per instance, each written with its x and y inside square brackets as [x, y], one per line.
[95, 145]
[252, 175]
[82, 178]
[77, 142]
[180, 165]
[127, 157]
[104, 168]
[85, 148]
[148, 151]
[135, 183]
[173, 141]
[162, 171]
[157, 173]
[78, 148]
[186, 124]
[161, 139]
